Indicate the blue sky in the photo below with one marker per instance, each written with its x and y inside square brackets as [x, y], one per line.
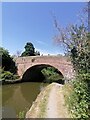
[32, 22]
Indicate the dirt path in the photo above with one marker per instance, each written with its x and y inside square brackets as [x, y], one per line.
[49, 103]
[52, 105]
[56, 106]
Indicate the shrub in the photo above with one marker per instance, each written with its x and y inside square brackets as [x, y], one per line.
[51, 75]
[79, 99]
[7, 61]
[15, 77]
[7, 75]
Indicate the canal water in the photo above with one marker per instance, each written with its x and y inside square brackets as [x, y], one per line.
[18, 98]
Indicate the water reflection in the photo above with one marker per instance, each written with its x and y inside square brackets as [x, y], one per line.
[19, 97]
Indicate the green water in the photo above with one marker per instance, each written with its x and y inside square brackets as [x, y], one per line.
[18, 98]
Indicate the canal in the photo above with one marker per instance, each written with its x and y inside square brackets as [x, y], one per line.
[18, 98]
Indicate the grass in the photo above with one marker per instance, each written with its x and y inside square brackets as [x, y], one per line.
[43, 104]
[67, 90]
[21, 115]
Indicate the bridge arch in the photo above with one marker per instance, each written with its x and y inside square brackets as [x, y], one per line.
[59, 62]
[34, 74]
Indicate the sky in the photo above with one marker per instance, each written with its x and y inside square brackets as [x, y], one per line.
[24, 22]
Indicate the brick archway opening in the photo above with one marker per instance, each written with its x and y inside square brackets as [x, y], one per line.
[34, 74]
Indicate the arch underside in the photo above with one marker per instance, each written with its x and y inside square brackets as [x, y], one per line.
[34, 74]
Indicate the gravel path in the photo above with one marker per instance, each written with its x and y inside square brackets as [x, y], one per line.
[52, 105]
[55, 106]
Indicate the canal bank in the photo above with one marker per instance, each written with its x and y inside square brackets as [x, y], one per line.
[50, 103]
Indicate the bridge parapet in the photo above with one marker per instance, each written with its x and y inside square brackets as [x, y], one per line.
[42, 59]
[59, 62]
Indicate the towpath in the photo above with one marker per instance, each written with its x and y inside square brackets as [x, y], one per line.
[56, 104]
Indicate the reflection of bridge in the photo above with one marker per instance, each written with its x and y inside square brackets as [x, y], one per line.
[59, 62]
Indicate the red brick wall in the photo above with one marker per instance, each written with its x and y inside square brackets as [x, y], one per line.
[59, 62]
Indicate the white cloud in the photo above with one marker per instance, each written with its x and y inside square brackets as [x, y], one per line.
[41, 42]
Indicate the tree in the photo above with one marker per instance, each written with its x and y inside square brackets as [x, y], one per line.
[76, 40]
[29, 50]
[7, 62]
[37, 53]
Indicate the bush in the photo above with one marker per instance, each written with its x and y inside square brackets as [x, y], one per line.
[79, 99]
[51, 75]
[6, 75]
[15, 77]
[7, 61]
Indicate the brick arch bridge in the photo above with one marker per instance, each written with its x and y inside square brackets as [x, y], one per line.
[59, 62]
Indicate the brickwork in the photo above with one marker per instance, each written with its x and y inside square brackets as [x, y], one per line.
[59, 62]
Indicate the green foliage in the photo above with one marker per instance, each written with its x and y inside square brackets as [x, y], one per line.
[6, 75]
[51, 74]
[79, 101]
[21, 115]
[37, 53]
[49, 70]
[1, 70]
[79, 98]
[15, 77]
[76, 40]
[7, 61]
[8, 68]
[81, 58]
[29, 50]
